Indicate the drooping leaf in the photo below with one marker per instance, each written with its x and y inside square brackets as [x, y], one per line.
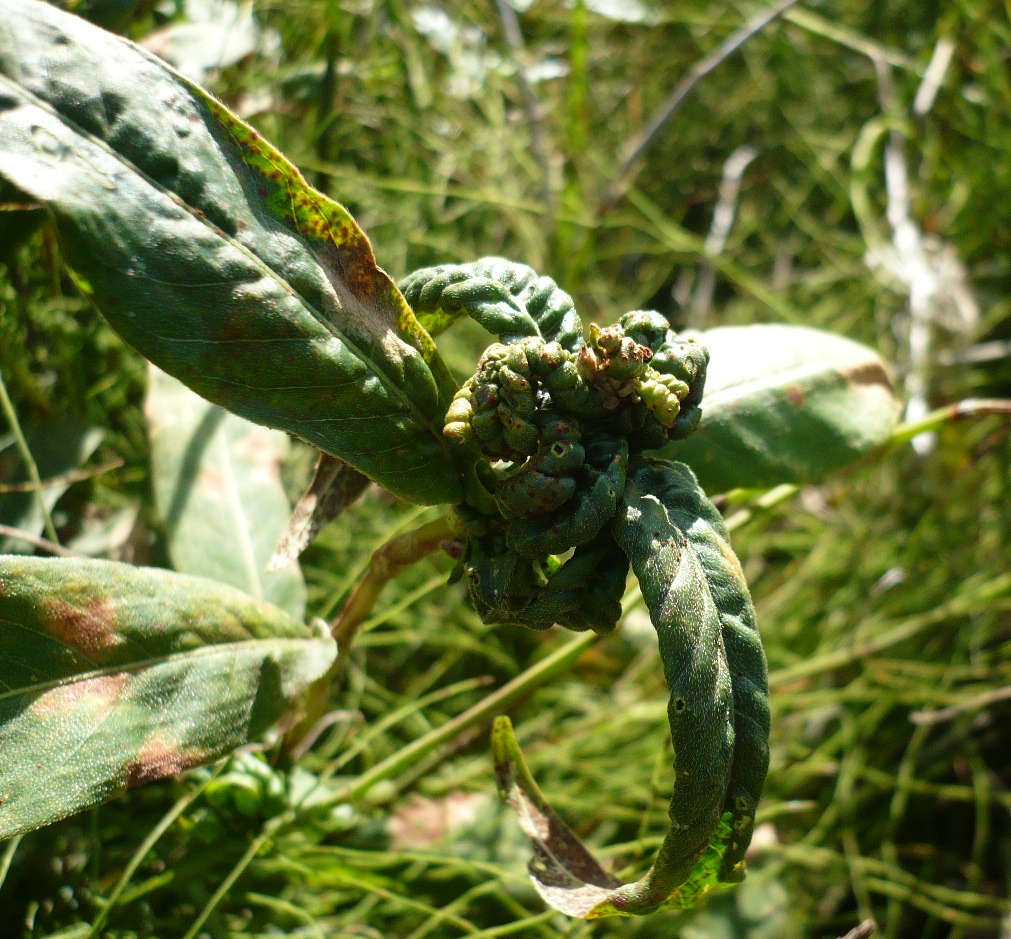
[715, 669]
[58, 448]
[334, 487]
[664, 502]
[112, 676]
[785, 404]
[217, 487]
[207, 251]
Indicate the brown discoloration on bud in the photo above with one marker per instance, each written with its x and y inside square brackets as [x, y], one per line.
[95, 696]
[158, 758]
[91, 628]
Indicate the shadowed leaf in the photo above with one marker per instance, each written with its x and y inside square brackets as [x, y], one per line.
[112, 676]
[217, 486]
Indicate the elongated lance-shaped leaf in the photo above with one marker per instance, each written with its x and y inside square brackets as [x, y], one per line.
[785, 404]
[719, 714]
[217, 487]
[689, 511]
[112, 676]
[207, 251]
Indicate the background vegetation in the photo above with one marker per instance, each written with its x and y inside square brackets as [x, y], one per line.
[874, 200]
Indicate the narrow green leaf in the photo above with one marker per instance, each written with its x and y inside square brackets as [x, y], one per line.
[786, 404]
[208, 252]
[113, 676]
[715, 669]
[217, 487]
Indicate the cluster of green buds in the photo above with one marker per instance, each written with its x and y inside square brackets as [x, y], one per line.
[560, 430]
[557, 428]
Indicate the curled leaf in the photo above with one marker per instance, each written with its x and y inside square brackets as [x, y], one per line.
[509, 300]
[718, 711]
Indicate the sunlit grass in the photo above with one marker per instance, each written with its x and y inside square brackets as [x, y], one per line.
[884, 595]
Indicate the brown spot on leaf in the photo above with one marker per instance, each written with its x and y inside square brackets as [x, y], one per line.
[90, 628]
[213, 480]
[96, 696]
[795, 395]
[873, 372]
[159, 758]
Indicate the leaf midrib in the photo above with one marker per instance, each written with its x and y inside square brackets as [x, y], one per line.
[747, 386]
[318, 315]
[142, 664]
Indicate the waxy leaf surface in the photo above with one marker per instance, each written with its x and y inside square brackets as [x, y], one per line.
[217, 486]
[785, 404]
[208, 252]
[112, 676]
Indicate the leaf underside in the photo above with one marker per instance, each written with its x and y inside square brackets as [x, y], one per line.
[217, 487]
[786, 404]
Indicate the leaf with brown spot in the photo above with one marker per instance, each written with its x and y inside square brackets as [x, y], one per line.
[786, 404]
[112, 676]
[210, 254]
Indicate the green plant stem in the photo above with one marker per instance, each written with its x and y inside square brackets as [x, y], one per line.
[386, 562]
[145, 847]
[971, 407]
[255, 846]
[521, 686]
[26, 455]
[8, 857]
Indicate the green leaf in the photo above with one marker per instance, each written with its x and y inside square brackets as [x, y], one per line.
[217, 487]
[718, 711]
[112, 676]
[786, 404]
[58, 447]
[208, 252]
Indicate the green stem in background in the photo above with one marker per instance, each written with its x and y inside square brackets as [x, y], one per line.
[26, 455]
[386, 562]
[149, 842]
[482, 713]
[971, 407]
[255, 847]
[8, 857]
